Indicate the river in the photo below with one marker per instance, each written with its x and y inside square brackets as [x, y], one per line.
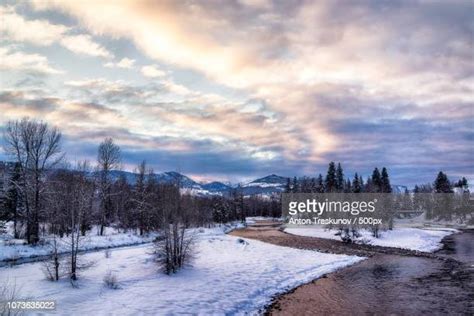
[393, 285]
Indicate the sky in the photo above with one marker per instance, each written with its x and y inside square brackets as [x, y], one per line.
[235, 90]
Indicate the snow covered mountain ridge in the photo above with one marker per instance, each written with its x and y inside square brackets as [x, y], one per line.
[266, 186]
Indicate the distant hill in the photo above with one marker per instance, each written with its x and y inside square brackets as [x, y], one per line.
[399, 188]
[265, 186]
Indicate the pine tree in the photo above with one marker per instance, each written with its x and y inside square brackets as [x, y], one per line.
[462, 183]
[376, 181]
[356, 186]
[361, 183]
[304, 186]
[368, 185]
[313, 187]
[385, 182]
[339, 178]
[320, 184]
[331, 182]
[348, 186]
[441, 184]
[288, 186]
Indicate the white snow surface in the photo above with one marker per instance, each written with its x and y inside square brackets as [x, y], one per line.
[263, 184]
[426, 240]
[229, 275]
[13, 249]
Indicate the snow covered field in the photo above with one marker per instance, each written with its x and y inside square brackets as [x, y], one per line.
[229, 275]
[427, 240]
[14, 249]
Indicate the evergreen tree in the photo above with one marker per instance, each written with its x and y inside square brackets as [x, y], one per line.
[313, 187]
[376, 181]
[368, 185]
[347, 186]
[288, 186]
[385, 182]
[320, 184]
[339, 178]
[356, 186]
[441, 184]
[304, 186]
[361, 183]
[331, 181]
[462, 183]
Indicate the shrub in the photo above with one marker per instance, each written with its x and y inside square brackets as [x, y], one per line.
[111, 281]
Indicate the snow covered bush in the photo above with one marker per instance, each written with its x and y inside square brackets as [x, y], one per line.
[111, 280]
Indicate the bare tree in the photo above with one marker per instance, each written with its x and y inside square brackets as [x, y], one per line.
[174, 250]
[52, 265]
[70, 199]
[141, 208]
[83, 195]
[36, 148]
[108, 159]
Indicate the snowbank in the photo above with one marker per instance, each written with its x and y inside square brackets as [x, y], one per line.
[14, 249]
[230, 275]
[427, 240]
[253, 219]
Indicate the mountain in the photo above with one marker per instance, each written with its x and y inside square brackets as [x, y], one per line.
[399, 188]
[176, 177]
[187, 184]
[265, 186]
[216, 187]
[269, 181]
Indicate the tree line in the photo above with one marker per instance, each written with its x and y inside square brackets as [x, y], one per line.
[334, 182]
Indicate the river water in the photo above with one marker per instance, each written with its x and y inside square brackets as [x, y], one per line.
[395, 285]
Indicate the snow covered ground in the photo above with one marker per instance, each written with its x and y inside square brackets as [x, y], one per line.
[253, 219]
[13, 249]
[427, 240]
[229, 275]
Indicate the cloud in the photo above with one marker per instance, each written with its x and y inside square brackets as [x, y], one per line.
[288, 77]
[39, 32]
[20, 61]
[43, 33]
[152, 71]
[83, 44]
[284, 52]
[125, 63]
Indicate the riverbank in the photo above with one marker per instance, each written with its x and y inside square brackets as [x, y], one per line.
[391, 281]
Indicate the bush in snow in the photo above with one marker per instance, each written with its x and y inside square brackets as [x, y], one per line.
[107, 254]
[111, 280]
[174, 250]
